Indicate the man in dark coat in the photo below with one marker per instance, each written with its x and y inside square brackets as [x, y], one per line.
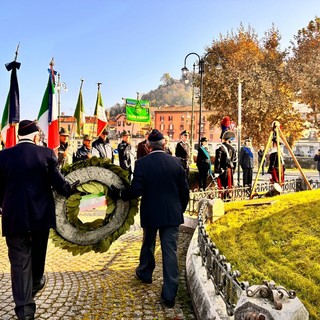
[142, 149]
[273, 168]
[246, 162]
[225, 162]
[183, 150]
[124, 153]
[260, 156]
[317, 158]
[203, 163]
[28, 173]
[85, 151]
[161, 182]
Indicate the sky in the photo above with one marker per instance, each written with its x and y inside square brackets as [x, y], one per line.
[127, 45]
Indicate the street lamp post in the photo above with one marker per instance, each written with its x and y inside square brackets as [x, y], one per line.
[58, 87]
[201, 65]
[192, 107]
[239, 124]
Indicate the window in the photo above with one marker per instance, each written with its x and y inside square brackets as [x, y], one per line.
[161, 127]
[161, 118]
[170, 118]
[119, 123]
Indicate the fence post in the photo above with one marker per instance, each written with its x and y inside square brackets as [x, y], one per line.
[269, 302]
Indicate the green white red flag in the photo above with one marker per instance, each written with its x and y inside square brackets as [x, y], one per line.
[11, 112]
[48, 114]
[100, 113]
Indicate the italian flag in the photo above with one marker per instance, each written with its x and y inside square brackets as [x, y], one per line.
[100, 113]
[48, 114]
[11, 112]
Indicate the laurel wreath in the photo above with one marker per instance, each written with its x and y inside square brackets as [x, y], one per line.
[95, 176]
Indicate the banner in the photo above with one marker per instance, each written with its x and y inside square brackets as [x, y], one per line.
[79, 112]
[138, 110]
[11, 112]
[100, 113]
[48, 114]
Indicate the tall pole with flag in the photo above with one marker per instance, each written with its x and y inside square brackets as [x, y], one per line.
[79, 112]
[11, 112]
[48, 114]
[100, 113]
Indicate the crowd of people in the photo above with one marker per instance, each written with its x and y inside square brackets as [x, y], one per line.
[158, 174]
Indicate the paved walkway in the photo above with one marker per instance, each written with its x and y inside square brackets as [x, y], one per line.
[101, 286]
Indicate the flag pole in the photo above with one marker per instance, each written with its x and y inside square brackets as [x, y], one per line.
[15, 60]
[96, 115]
[17, 52]
[72, 133]
[11, 113]
[73, 123]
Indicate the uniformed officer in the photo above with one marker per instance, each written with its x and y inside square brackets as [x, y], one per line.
[183, 150]
[225, 162]
[125, 155]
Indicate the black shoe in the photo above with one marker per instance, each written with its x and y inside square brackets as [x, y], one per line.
[142, 279]
[167, 303]
[27, 318]
[37, 287]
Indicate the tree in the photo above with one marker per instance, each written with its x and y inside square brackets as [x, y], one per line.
[260, 67]
[304, 66]
[172, 92]
[166, 79]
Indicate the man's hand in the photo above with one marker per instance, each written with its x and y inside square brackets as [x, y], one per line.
[73, 187]
[114, 192]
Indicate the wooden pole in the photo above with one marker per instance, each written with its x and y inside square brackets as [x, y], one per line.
[261, 164]
[295, 160]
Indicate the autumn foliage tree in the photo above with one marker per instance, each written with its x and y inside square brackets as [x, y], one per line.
[304, 66]
[266, 96]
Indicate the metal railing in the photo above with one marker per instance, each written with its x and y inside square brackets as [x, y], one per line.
[224, 279]
[242, 193]
[218, 269]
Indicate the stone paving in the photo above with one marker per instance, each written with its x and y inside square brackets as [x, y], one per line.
[101, 286]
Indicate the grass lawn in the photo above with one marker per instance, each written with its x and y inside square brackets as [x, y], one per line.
[279, 242]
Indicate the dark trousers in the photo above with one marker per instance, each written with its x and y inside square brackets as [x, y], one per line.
[262, 169]
[27, 254]
[203, 174]
[169, 240]
[247, 176]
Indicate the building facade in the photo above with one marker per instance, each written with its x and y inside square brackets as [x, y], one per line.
[173, 120]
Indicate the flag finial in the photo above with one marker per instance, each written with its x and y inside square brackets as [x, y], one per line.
[51, 64]
[17, 52]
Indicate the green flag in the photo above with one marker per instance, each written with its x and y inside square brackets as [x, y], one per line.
[137, 110]
[79, 112]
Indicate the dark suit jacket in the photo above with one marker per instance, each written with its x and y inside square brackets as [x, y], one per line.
[27, 173]
[203, 162]
[224, 160]
[161, 181]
